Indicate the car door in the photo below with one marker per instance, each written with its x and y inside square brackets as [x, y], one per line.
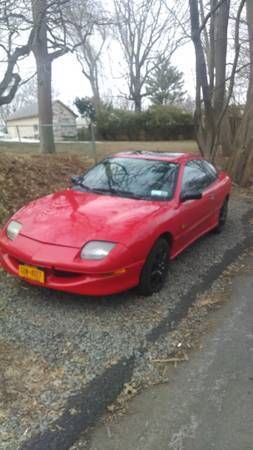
[194, 215]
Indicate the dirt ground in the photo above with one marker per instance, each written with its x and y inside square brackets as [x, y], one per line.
[29, 176]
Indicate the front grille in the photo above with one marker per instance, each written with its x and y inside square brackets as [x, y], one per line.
[63, 274]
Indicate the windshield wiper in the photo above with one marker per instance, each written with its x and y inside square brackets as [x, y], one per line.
[80, 186]
[118, 192]
[130, 195]
[85, 187]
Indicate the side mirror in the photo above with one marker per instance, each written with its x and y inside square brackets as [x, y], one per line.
[190, 195]
[76, 179]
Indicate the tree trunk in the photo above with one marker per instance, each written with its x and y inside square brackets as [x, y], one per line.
[45, 106]
[44, 76]
[205, 131]
[220, 56]
[137, 103]
[210, 60]
[95, 91]
[226, 140]
[241, 163]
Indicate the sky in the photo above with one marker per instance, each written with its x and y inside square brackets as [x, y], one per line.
[69, 82]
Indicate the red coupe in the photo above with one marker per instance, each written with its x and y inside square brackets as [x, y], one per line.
[118, 225]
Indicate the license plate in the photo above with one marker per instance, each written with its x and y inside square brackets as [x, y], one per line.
[31, 273]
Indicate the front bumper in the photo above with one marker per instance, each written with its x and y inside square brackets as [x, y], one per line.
[71, 276]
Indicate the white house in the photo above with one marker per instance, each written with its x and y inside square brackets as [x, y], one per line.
[24, 123]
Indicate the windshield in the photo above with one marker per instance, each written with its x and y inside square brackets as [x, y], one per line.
[132, 177]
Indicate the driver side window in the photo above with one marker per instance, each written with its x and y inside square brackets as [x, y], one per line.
[194, 177]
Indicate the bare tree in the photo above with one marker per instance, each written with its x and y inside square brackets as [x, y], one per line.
[216, 74]
[55, 23]
[48, 27]
[43, 23]
[89, 18]
[241, 164]
[89, 57]
[48, 45]
[143, 28]
[16, 39]
[26, 93]
[211, 63]
[216, 78]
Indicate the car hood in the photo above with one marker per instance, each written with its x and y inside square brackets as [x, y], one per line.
[71, 218]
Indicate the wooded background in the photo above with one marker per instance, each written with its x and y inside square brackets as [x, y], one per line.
[149, 32]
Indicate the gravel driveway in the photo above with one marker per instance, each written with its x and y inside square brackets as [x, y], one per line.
[53, 344]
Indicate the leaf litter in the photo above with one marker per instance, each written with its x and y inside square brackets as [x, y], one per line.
[28, 176]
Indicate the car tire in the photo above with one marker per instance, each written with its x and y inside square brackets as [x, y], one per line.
[155, 269]
[222, 217]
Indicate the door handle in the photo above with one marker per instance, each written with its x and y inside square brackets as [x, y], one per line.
[212, 196]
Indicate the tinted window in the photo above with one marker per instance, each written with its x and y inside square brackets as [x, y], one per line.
[132, 177]
[195, 176]
[210, 170]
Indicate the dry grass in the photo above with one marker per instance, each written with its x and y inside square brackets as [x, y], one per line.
[29, 176]
[26, 382]
[103, 148]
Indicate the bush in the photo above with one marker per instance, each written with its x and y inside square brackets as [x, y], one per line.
[168, 123]
[157, 123]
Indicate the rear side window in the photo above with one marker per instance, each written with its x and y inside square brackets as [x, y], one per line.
[195, 177]
[210, 170]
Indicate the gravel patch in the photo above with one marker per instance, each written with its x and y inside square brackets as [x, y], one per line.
[62, 342]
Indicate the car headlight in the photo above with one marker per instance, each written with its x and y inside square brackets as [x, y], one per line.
[13, 230]
[96, 250]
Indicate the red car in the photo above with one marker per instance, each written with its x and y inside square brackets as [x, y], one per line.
[118, 225]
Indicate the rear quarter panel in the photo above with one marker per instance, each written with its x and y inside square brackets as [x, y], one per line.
[224, 187]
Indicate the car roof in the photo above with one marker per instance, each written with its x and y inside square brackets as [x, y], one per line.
[175, 157]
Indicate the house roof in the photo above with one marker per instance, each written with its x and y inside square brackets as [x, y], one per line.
[31, 110]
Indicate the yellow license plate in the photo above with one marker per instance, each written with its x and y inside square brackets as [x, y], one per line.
[31, 273]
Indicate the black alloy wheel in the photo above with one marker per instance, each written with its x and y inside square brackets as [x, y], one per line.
[155, 268]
